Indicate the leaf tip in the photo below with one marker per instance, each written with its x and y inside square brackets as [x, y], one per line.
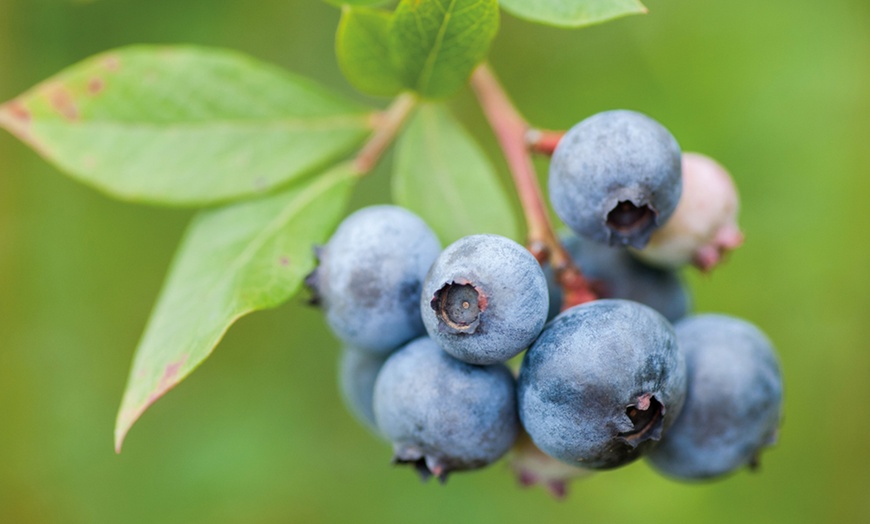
[126, 418]
[119, 440]
[130, 412]
[14, 117]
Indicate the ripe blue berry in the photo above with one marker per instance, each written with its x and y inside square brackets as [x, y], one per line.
[444, 415]
[357, 371]
[484, 299]
[733, 404]
[370, 275]
[601, 383]
[615, 177]
[616, 273]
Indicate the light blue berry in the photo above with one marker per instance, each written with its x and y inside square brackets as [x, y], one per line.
[485, 299]
[444, 415]
[370, 275]
[357, 371]
[615, 177]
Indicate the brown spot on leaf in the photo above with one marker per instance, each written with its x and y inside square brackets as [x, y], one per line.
[96, 85]
[62, 101]
[169, 379]
[18, 112]
[284, 261]
[16, 118]
[170, 373]
[112, 63]
[129, 415]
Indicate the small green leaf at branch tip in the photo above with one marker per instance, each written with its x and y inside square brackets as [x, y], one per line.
[233, 260]
[436, 44]
[185, 125]
[444, 176]
[362, 49]
[572, 13]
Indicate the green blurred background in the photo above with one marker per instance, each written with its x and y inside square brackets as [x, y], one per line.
[778, 91]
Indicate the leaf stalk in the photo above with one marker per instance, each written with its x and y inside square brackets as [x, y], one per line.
[386, 127]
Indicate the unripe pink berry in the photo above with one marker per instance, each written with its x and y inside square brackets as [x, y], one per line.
[534, 467]
[704, 226]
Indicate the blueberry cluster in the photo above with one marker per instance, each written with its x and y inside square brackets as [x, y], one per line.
[428, 333]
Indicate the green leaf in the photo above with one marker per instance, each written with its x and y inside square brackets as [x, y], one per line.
[572, 13]
[442, 174]
[362, 48]
[233, 260]
[184, 125]
[437, 43]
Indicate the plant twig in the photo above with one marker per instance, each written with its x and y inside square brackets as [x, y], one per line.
[386, 127]
[542, 141]
[511, 129]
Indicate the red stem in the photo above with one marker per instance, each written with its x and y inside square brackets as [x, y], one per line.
[511, 129]
[386, 127]
[542, 141]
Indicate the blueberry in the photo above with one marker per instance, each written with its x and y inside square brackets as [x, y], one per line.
[733, 404]
[615, 177]
[370, 275]
[357, 371]
[484, 299]
[615, 273]
[444, 415]
[601, 383]
[704, 226]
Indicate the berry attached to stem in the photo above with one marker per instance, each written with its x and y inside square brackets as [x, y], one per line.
[512, 130]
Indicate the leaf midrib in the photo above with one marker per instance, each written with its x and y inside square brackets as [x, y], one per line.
[432, 56]
[362, 121]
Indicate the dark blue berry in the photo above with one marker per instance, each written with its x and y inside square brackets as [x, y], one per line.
[616, 273]
[601, 383]
[733, 404]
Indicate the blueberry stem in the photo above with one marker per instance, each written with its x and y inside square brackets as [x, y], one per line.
[512, 131]
[543, 141]
[387, 125]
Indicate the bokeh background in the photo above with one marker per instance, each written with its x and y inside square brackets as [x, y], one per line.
[778, 91]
